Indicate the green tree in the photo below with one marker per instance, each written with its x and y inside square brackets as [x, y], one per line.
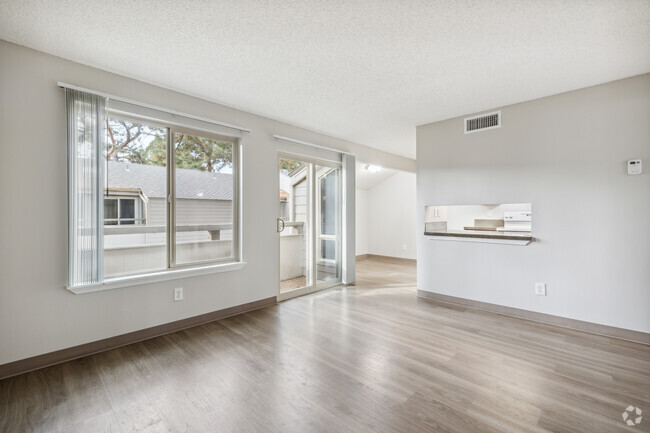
[157, 151]
[142, 144]
[206, 154]
[289, 165]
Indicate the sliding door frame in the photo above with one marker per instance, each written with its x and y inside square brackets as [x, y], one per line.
[338, 236]
[313, 229]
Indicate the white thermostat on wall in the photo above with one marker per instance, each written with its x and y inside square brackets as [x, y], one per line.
[634, 166]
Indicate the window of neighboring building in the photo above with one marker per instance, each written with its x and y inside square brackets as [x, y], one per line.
[284, 209]
[110, 212]
[123, 211]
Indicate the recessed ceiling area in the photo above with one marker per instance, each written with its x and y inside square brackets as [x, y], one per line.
[363, 70]
[365, 179]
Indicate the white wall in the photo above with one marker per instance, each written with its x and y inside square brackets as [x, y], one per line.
[565, 154]
[390, 217]
[37, 314]
[361, 223]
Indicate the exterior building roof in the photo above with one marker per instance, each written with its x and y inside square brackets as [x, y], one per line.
[297, 170]
[152, 181]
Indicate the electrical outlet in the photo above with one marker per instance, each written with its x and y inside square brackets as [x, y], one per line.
[178, 294]
[540, 289]
[404, 247]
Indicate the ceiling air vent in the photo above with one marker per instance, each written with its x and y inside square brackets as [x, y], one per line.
[483, 122]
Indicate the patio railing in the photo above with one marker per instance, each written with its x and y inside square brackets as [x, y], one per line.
[135, 229]
[140, 254]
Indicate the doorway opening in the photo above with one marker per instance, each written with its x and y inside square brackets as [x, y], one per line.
[309, 225]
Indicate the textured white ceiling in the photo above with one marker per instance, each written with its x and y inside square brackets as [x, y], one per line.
[365, 70]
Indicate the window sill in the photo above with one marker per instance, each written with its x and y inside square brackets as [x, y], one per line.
[154, 277]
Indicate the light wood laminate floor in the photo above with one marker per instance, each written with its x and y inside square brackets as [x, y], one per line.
[370, 358]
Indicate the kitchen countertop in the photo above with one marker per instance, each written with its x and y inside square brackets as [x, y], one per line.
[515, 236]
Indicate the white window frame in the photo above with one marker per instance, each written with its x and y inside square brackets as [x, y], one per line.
[171, 197]
[173, 270]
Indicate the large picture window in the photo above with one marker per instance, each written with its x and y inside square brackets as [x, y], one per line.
[183, 180]
[169, 197]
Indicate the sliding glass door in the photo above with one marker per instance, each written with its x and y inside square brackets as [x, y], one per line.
[294, 225]
[308, 225]
[328, 255]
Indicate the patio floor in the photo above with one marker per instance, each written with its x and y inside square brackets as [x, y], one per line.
[293, 283]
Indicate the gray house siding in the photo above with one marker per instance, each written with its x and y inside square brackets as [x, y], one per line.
[300, 201]
[191, 212]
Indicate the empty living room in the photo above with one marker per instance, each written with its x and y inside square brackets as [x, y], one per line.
[324, 216]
